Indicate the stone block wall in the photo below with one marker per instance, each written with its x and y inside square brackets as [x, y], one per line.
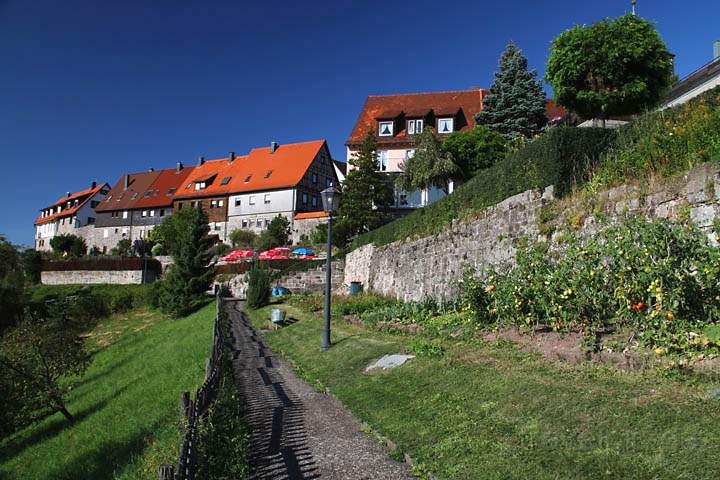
[86, 277]
[429, 267]
[307, 281]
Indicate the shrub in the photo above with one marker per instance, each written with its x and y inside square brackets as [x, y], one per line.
[123, 248]
[564, 157]
[658, 278]
[664, 143]
[69, 245]
[240, 238]
[475, 150]
[276, 235]
[258, 292]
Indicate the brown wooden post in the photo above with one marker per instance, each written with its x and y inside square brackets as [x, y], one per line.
[184, 405]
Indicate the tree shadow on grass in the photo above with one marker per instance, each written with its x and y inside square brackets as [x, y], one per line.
[56, 424]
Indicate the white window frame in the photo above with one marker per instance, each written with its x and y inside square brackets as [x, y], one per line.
[409, 153]
[267, 198]
[451, 122]
[380, 129]
[251, 200]
[221, 203]
[125, 214]
[382, 160]
[244, 224]
[415, 126]
[213, 203]
[144, 213]
[152, 213]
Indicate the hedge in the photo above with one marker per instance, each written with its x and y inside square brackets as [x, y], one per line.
[563, 157]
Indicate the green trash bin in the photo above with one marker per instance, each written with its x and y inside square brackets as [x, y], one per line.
[355, 288]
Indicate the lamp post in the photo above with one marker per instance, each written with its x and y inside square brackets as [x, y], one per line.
[331, 202]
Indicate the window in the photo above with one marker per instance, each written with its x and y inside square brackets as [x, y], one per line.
[382, 160]
[385, 129]
[125, 214]
[148, 193]
[247, 179]
[314, 201]
[221, 203]
[267, 198]
[237, 202]
[213, 204]
[152, 213]
[258, 223]
[414, 126]
[445, 125]
[144, 213]
[94, 203]
[269, 172]
[192, 204]
[216, 227]
[117, 230]
[225, 181]
[328, 182]
[304, 198]
[314, 178]
[252, 200]
[267, 222]
[188, 186]
[409, 154]
[179, 205]
[171, 191]
[134, 196]
[106, 233]
[91, 220]
[200, 186]
[162, 212]
[244, 224]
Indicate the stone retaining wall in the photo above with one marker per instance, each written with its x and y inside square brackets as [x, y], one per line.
[83, 277]
[307, 281]
[429, 267]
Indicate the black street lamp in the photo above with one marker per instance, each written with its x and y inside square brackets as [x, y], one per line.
[331, 202]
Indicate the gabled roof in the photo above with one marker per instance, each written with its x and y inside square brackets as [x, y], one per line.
[263, 170]
[377, 107]
[164, 189]
[83, 196]
[121, 199]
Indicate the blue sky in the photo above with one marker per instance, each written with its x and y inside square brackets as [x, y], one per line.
[92, 89]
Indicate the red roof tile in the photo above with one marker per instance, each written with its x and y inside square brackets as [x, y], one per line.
[83, 196]
[164, 189]
[121, 199]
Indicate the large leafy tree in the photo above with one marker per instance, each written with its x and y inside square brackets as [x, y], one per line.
[188, 279]
[430, 166]
[616, 67]
[474, 150]
[366, 192]
[68, 245]
[11, 285]
[516, 103]
[277, 234]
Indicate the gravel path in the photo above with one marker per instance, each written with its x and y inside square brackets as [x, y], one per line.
[299, 433]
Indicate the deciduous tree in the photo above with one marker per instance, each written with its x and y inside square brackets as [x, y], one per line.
[615, 67]
[430, 166]
[474, 150]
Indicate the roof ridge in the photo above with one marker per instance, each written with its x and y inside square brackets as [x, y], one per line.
[473, 89]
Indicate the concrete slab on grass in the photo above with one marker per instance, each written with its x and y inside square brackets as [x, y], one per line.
[388, 361]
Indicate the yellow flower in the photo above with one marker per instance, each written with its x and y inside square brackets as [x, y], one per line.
[659, 351]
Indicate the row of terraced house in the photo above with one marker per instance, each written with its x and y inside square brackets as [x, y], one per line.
[247, 191]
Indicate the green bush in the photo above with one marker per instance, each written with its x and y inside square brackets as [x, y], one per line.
[258, 292]
[355, 305]
[664, 143]
[657, 278]
[564, 157]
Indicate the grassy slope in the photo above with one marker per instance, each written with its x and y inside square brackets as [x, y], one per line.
[126, 403]
[491, 412]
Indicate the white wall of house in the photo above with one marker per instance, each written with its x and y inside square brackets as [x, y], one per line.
[262, 202]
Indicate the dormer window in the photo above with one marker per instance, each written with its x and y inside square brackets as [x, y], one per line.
[415, 126]
[267, 175]
[200, 185]
[445, 125]
[247, 179]
[171, 191]
[225, 181]
[385, 129]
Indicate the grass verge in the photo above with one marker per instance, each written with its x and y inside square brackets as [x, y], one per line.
[478, 410]
[126, 403]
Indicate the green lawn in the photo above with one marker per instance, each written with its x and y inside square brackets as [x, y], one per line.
[485, 411]
[126, 403]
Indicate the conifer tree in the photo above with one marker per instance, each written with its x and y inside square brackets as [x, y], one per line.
[516, 103]
[366, 192]
[184, 286]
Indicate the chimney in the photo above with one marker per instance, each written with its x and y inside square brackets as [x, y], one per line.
[231, 157]
[93, 185]
[273, 147]
[201, 161]
[151, 169]
[716, 50]
[68, 194]
[178, 167]
[127, 182]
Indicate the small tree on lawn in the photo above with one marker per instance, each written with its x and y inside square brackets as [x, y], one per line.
[276, 235]
[615, 67]
[258, 292]
[516, 103]
[366, 192]
[475, 150]
[241, 238]
[430, 166]
[68, 245]
[34, 356]
[188, 279]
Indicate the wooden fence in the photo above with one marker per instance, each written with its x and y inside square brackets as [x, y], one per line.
[192, 411]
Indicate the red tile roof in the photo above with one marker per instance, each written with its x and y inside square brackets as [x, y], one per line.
[120, 199]
[164, 189]
[305, 216]
[264, 170]
[414, 104]
[82, 196]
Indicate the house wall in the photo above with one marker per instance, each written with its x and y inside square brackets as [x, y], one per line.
[430, 266]
[305, 226]
[278, 201]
